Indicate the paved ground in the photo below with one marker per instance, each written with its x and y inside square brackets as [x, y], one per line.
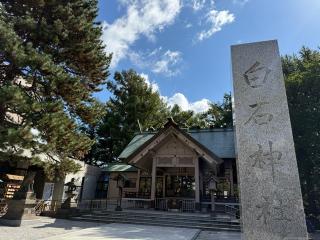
[52, 229]
[206, 235]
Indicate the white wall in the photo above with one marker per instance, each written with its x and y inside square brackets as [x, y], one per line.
[90, 174]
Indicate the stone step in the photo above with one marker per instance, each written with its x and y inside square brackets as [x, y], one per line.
[173, 221]
[160, 223]
[162, 218]
[163, 215]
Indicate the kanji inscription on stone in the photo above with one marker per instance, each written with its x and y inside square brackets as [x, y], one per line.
[257, 75]
[258, 116]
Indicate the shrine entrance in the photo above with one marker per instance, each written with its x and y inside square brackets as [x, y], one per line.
[179, 186]
[173, 160]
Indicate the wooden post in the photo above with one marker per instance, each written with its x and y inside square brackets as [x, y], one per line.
[154, 177]
[138, 183]
[197, 183]
[231, 179]
[164, 186]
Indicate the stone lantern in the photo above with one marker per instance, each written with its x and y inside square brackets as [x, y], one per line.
[121, 179]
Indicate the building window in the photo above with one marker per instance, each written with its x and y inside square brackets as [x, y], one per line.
[145, 185]
[102, 186]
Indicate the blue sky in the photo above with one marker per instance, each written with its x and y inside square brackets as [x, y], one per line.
[182, 47]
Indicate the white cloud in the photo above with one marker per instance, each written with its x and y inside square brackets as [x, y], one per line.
[178, 98]
[158, 61]
[188, 25]
[181, 100]
[167, 63]
[198, 4]
[143, 17]
[154, 86]
[240, 2]
[216, 20]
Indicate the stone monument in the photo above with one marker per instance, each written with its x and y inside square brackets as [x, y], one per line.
[270, 193]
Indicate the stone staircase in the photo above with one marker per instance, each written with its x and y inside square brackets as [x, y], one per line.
[166, 219]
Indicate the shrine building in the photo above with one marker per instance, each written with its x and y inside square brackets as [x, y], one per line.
[176, 168]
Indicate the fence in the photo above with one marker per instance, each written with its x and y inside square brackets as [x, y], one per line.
[161, 204]
[136, 203]
[93, 204]
[126, 203]
[188, 205]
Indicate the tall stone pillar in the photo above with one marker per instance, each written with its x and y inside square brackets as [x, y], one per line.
[57, 193]
[153, 179]
[270, 193]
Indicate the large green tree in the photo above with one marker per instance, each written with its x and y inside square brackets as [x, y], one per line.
[52, 61]
[302, 78]
[188, 119]
[219, 115]
[134, 106]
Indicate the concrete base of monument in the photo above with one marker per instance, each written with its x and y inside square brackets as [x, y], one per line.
[10, 222]
[25, 220]
[18, 212]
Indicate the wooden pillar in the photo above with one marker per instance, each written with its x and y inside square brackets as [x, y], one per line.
[231, 179]
[201, 183]
[197, 183]
[154, 178]
[164, 186]
[138, 182]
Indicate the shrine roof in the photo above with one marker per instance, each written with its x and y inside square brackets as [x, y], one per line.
[120, 167]
[220, 141]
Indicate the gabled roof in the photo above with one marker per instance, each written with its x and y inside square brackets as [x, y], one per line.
[135, 143]
[217, 141]
[120, 167]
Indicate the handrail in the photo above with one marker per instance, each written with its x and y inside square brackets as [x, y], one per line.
[3, 207]
[39, 207]
[231, 210]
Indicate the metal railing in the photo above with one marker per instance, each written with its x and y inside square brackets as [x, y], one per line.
[111, 204]
[47, 206]
[93, 204]
[135, 203]
[232, 210]
[144, 195]
[3, 207]
[161, 204]
[183, 205]
[188, 205]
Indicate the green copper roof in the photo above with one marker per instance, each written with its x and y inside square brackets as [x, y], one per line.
[136, 142]
[119, 167]
[219, 141]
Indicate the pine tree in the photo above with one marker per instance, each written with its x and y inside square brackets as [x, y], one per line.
[219, 115]
[134, 106]
[52, 61]
[188, 118]
[302, 78]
